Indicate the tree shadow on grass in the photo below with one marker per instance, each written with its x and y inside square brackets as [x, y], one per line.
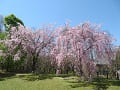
[65, 76]
[114, 82]
[97, 84]
[79, 84]
[34, 77]
[46, 76]
[2, 79]
[4, 76]
[100, 84]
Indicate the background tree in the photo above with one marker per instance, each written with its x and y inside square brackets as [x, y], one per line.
[9, 22]
[12, 21]
[1, 23]
[117, 59]
[115, 63]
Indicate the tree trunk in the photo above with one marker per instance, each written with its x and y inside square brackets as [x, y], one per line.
[34, 64]
[57, 72]
[107, 75]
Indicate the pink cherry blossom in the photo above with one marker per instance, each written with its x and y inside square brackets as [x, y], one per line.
[86, 43]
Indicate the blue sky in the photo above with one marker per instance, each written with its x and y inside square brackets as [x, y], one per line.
[37, 12]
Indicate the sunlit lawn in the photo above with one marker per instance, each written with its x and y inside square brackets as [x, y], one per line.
[52, 82]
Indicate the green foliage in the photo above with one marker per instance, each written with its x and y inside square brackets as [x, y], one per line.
[11, 65]
[8, 63]
[2, 47]
[3, 35]
[12, 21]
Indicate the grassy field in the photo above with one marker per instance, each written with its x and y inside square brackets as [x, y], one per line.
[52, 82]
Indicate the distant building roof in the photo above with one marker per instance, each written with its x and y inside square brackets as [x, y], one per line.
[102, 60]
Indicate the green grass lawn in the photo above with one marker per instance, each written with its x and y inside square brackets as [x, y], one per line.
[52, 82]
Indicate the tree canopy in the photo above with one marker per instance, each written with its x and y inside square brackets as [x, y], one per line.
[12, 21]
